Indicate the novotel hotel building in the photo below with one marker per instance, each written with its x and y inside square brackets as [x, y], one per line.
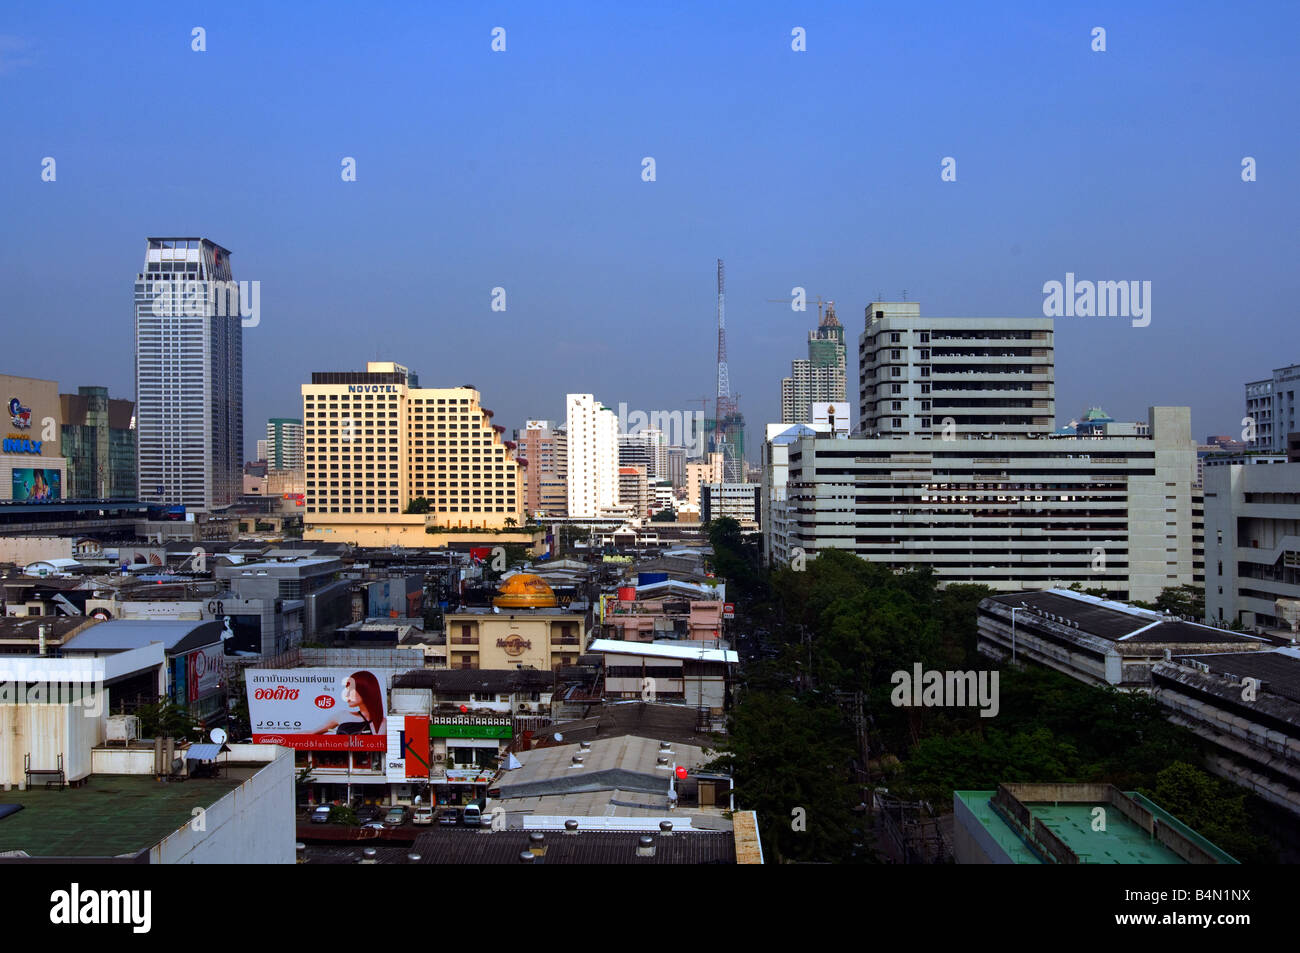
[375, 440]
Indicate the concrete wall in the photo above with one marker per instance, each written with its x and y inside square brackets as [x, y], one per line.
[253, 824]
[29, 549]
[45, 731]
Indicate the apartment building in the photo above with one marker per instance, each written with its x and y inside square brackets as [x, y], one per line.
[645, 448]
[593, 456]
[374, 441]
[923, 376]
[634, 490]
[702, 473]
[544, 451]
[738, 501]
[283, 444]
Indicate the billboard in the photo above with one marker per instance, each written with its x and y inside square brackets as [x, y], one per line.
[318, 709]
[204, 668]
[36, 485]
[834, 414]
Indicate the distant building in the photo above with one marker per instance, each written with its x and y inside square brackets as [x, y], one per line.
[634, 490]
[99, 445]
[645, 448]
[821, 376]
[739, 501]
[33, 468]
[593, 456]
[283, 444]
[526, 626]
[1271, 408]
[544, 455]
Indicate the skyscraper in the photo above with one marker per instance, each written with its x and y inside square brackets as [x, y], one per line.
[189, 375]
[821, 376]
[593, 456]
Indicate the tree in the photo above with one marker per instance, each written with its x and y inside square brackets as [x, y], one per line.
[664, 516]
[164, 719]
[418, 505]
[1212, 808]
[511, 521]
[1182, 601]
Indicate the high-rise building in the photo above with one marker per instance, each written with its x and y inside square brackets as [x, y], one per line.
[1271, 409]
[99, 445]
[374, 443]
[544, 449]
[950, 377]
[1116, 513]
[820, 377]
[593, 456]
[646, 448]
[189, 375]
[283, 443]
[702, 473]
[263, 450]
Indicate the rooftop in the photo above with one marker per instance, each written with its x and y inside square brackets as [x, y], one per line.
[111, 815]
[1277, 670]
[687, 651]
[116, 635]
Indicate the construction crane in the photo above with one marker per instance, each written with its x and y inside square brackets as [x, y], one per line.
[821, 303]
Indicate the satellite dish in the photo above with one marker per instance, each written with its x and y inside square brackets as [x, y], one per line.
[218, 736]
[559, 737]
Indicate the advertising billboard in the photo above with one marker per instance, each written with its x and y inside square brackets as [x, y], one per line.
[36, 485]
[204, 670]
[318, 709]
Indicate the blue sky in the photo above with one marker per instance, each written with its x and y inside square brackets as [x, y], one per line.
[522, 170]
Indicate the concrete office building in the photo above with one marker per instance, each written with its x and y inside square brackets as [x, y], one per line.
[819, 378]
[738, 501]
[1106, 512]
[283, 443]
[593, 456]
[544, 450]
[99, 445]
[1271, 407]
[189, 375]
[993, 376]
[375, 440]
[775, 470]
[1252, 542]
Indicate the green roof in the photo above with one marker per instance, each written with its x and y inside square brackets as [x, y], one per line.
[111, 814]
[1122, 842]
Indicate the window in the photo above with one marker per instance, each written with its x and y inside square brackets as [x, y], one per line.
[894, 337]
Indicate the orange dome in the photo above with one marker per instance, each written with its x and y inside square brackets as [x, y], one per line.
[524, 591]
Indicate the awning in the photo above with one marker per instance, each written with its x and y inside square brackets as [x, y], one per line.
[204, 752]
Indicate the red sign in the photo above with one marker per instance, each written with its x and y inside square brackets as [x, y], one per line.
[326, 742]
[728, 610]
[417, 746]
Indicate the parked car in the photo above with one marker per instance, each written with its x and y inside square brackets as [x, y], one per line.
[369, 814]
[448, 817]
[321, 814]
[472, 816]
[396, 817]
[423, 815]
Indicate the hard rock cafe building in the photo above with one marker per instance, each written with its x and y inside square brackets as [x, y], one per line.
[524, 628]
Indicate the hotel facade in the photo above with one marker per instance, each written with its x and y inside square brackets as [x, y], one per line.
[374, 441]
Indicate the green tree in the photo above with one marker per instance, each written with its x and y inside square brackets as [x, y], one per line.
[1214, 809]
[164, 719]
[664, 516]
[418, 505]
[788, 759]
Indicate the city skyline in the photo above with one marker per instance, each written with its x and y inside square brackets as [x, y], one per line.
[596, 263]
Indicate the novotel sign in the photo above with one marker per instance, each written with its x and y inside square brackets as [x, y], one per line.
[372, 388]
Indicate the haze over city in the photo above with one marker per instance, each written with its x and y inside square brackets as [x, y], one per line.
[523, 171]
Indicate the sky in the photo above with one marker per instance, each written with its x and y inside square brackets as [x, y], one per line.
[523, 170]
